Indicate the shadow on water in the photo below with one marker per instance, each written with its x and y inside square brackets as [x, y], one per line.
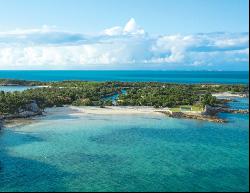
[18, 138]
[220, 177]
[1, 167]
[217, 180]
[214, 136]
[21, 174]
[111, 172]
[103, 172]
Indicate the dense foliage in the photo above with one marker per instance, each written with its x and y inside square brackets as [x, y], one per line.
[57, 94]
[82, 93]
[6, 82]
[172, 95]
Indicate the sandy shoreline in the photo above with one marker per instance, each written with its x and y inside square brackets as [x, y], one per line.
[115, 110]
[228, 95]
[89, 110]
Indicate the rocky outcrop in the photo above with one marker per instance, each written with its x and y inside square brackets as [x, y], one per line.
[209, 113]
[236, 111]
[204, 118]
[213, 111]
[29, 110]
[1, 123]
[244, 95]
[181, 115]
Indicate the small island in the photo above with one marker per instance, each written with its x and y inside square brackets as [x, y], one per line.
[190, 101]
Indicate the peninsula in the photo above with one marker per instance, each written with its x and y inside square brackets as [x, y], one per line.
[191, 101]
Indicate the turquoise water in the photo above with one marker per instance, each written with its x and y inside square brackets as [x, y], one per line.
[158, 76]
[14, 88]
[115, 97]
[62, 152]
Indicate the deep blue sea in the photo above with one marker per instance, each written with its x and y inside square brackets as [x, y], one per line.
[157, 76]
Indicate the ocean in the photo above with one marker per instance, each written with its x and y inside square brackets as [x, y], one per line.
[65, 152]
[224, 77]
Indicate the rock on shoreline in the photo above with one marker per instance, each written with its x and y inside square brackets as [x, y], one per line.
[1, 124]
[209, 114]
[213, 111]
[30, 110]
[181, 115]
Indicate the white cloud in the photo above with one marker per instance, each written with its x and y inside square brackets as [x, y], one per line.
[16, 32]
[114, 31]
[127, 47]
[131, 28]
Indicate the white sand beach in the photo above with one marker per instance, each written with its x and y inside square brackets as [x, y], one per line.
[228, 94]
[115, 110]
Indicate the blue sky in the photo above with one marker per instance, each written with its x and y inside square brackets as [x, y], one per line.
[156, 16]
[124, 34]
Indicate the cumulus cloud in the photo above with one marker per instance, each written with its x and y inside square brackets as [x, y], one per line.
[127, 47]
[131, 28]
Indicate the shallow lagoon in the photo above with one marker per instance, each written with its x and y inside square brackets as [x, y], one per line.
[61, 152]
[15, 88]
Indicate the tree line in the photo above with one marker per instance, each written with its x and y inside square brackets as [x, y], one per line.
[82, 93]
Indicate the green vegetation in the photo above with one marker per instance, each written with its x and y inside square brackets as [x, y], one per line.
[6, 82]
[174, 95]
[83, 102]
[159, 96]
[208, 99]
[82, 93]
[57, 94]
[195, 108]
